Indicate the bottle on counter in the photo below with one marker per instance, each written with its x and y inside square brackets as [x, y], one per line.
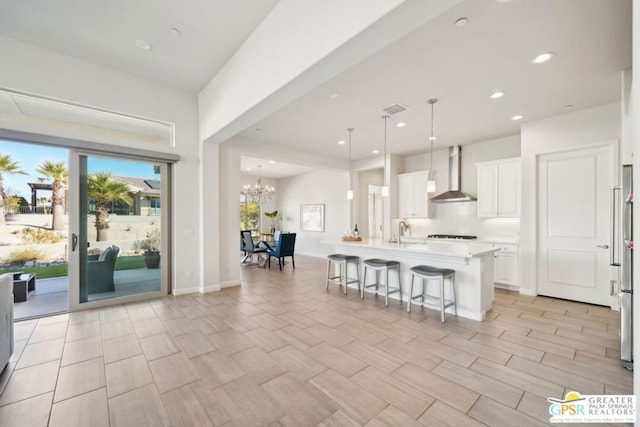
[355, 231]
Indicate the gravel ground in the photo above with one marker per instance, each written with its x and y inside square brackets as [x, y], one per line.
[123, 232]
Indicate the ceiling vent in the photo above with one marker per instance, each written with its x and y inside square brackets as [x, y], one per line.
[394, 109]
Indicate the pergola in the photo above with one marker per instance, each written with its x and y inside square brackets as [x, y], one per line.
[35, 186]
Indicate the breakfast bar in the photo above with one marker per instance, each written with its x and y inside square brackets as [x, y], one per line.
[472, 262]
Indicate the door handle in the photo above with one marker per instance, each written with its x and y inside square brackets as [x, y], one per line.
[74, 242]
[602, 246]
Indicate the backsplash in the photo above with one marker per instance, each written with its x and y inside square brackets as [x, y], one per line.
[460, 218]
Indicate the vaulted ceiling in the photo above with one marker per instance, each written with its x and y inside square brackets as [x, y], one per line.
[461, 65]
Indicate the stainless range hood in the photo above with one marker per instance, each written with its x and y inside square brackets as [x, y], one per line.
[454, 194]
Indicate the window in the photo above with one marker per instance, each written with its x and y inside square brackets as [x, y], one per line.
[249, 214]
[154, 207]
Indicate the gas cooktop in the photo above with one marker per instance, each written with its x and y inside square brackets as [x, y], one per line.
[450, 236]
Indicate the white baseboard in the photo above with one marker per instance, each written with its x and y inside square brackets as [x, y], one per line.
[529, 292]
[207, 289]
[185, 291]
[230, 283]
[507, 287]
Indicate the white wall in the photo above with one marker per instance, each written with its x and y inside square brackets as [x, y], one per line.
[571, 130]
[326, 187]
[461, 217]
[49, 74]
[493, 149]
[365, 178]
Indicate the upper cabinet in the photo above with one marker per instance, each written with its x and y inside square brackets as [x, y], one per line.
[499, 188]
[413, 200]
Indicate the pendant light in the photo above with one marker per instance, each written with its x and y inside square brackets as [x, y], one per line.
[350, 190]
[431, 183]
[385, 187]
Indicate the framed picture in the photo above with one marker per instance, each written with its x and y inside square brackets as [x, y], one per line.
[312, 217]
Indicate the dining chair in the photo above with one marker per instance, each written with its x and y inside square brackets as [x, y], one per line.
[249, 247]
[286, 247]
[243, 247]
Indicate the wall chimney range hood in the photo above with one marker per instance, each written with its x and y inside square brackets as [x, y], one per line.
[454, 194]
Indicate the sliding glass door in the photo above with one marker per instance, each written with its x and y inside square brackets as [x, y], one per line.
[118, 229]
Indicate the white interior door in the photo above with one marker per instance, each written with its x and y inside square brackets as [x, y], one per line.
[574, 224]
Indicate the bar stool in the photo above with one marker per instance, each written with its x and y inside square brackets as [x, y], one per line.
[426, 273]
[378, 265]
[343, 261]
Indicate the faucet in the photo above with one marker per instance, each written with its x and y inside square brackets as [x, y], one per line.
[402, 226]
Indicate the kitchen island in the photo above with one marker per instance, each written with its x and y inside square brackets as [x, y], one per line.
[472, 262]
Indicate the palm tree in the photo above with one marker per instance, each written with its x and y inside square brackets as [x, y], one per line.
[104, 189]
[7, 166]
[43, 202]
[58, 174]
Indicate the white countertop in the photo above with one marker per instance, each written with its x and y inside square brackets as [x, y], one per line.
[452, 248]
[483, 240]
[499, 240]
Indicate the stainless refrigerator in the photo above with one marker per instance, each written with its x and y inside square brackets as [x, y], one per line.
[626, 262]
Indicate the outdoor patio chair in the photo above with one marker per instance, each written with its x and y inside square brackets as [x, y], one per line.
[100, 272]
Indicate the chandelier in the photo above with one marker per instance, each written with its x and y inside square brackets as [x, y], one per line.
[259, 192]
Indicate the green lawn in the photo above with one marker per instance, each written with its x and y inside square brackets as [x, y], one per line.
[122, 263]
[130, 262]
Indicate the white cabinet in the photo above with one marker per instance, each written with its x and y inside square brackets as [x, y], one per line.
[413, 199]
[499, 188]
[506, 265]
[487, 191]
[509, 189]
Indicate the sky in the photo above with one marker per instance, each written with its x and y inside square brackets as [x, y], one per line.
[30, 156]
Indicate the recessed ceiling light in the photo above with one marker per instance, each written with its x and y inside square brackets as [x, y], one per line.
[517, 117]
[543, 57]
[341, 142]
[142, 44]
[400, 124]
[272, 161]
[248, 169]
[498, 94]
[461, 22]
[175, 31]
[433, 138]
[375, 152]
[334, 95]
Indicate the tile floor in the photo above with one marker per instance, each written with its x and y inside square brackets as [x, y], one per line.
[281, 351]
[51, 295]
